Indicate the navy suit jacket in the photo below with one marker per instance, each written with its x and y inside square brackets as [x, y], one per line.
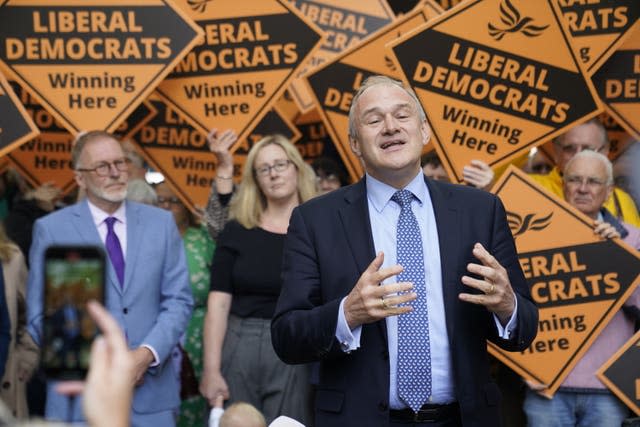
[329, 244]
[153, 306]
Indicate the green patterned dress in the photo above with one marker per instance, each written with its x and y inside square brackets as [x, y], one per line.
[199, 248]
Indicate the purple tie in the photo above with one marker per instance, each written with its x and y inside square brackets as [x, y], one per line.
[114, 249]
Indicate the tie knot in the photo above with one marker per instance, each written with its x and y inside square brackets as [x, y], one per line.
[110, 221]
[403, 198]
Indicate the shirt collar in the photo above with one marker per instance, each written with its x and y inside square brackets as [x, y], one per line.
[99, 215]
[380, 193]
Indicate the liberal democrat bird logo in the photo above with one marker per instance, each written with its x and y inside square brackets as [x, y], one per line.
[520, 225]
[510, 16]
[198, 5]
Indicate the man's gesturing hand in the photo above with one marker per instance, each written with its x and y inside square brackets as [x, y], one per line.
[370, 301]
[497, 294]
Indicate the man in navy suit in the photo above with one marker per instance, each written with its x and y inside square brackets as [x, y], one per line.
[148, 294]
[342, 305]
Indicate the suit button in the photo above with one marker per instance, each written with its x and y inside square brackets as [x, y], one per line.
[125, 310]
[383, 406]
[6, 384]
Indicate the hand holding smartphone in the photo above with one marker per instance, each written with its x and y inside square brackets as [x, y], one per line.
[73, 275]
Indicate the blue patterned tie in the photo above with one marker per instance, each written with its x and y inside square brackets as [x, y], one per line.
[114, 249]
[414, 354]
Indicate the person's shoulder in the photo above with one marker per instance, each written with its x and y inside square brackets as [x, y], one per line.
[331, 200]
[233, 228]
[61, 214]
[148, 211]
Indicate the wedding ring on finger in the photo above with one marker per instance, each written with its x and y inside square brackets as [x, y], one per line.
[384, 303]
[492, 289]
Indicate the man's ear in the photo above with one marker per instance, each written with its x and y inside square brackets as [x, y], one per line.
[355, 146]
[79, 179]
[426, 132]
[609, 191]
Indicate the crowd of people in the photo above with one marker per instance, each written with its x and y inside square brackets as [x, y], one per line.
[292, 293]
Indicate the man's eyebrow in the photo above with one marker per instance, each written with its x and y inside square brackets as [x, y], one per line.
[395, 108]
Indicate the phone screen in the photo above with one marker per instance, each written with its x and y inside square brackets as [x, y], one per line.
[73, 276]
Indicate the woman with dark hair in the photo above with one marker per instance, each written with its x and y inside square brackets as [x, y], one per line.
[329, 175]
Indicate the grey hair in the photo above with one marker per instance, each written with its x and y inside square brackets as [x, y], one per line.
[588, 154]
[375, 81]
[82, 139]
[139, 191]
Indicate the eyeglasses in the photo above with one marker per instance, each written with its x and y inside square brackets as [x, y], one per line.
[278, 166]
[104, 169]
[589, 181]
[331, 179]
[170, 200]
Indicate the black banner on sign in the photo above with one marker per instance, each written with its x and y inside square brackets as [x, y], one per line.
[91, 35]
[578, 273]
[589, 18]
[246, 44]
[619, 80]
[495, 79]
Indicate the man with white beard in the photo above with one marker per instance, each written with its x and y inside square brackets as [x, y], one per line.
[147, 288]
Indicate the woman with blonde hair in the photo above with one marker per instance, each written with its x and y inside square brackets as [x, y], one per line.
[239, 361]
[23, 352]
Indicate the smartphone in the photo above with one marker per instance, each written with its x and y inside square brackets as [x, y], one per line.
[73, 275]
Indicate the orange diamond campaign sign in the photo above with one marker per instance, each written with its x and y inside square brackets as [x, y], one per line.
[345, 24]
[16, 126]
[598, 27]
[618, 83]
[91, 63]
[496, 77]
[577, 280]
[335, 83]
[249, 55]
[621, 375]
[47, 158]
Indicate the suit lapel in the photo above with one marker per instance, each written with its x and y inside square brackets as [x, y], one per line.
[448, 226]
[83, 222]
[354, 215]
[134, 231]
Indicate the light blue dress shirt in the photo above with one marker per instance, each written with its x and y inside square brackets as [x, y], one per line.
[383, 215]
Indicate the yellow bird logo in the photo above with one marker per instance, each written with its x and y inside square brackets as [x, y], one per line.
[510, 16]
[198, 5]
[520, 225]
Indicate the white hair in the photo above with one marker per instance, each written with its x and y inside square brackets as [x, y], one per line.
[589, 154]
